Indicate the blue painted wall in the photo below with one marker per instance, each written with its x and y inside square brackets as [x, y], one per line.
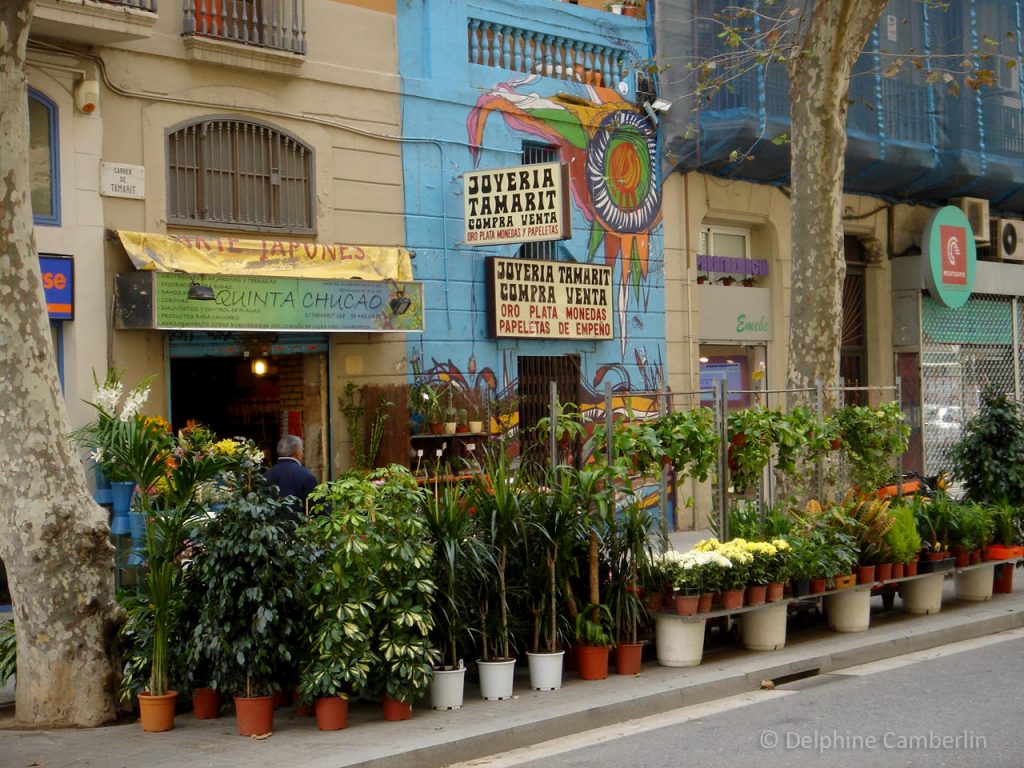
[476, 116]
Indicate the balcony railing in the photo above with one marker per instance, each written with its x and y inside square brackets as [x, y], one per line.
[139, 5]
[277, 24]
[521, 50]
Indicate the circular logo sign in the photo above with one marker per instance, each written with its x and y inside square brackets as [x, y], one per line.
[950, 256]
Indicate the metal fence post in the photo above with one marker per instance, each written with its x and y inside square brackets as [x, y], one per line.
[819, 460]
[609, 421]
[553, 412]
[663, 491]
[721, 406]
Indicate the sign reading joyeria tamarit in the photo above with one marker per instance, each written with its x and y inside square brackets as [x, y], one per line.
[525, 204]
[549, 299]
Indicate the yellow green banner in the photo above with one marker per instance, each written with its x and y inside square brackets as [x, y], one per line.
[225, 255]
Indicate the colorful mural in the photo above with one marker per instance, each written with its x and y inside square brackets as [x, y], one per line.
[610, 147]
[477, 114]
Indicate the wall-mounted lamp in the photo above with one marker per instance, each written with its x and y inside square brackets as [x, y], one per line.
[259, 367]
[199, 292]
[400, 304]
[652, 108]
[87, 96]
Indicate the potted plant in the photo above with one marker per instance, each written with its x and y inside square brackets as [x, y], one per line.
[554, 526]
[427, 405]
[751, 436]
[461, 561]
[903, 539]
[338, 654]
[249, 567]
[595, 632]
[986, 458]
[972, 528]
[628, 545]
[689, 441]
[496, 493]
[403, 592]
[872, 440]
[143, 451]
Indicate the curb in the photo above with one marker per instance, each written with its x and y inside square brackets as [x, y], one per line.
[645, 705]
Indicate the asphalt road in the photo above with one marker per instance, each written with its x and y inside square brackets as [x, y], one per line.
[959, 705]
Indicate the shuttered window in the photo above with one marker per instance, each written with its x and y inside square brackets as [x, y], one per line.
[241, 175]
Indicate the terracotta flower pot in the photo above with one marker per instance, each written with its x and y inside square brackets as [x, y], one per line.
[255, 715]
[756, 594]
[628, 657]
[655, 601]
[704, 603]
[910, 568]
[883, 571]
[775, 591]
[156, 713]
[395, 710]
[593, 660]
[686, 605]
[817, 586]
[205, 703]
[1002, 582]
[865, 574]
[331, 713]
[732, 599]
[898, 571]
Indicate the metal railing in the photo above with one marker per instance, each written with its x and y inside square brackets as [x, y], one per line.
[276, 24]
[140, 5]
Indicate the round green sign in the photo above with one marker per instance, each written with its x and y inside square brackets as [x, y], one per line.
[950, 256]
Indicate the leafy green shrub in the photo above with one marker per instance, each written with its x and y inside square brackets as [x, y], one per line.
[989, 458]
[8, 651]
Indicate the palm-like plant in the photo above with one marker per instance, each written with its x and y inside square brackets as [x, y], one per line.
[461, 559]
[556, 524]
[495, 494]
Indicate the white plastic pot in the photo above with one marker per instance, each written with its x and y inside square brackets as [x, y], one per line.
[975, 584]
[496, 678]
[447, 687]
[923, 595]
[679, 642]
[764, 629]
[545, 670]
[849, 610]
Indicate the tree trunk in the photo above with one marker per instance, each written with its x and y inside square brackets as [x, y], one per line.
[829, 43]
[55, 543]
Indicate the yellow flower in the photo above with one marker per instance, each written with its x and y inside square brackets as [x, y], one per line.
[225, 447]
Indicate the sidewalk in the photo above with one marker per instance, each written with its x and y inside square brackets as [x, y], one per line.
[432, 739]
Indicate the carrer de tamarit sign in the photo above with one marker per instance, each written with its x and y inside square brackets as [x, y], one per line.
[549, 299]
[525, 204]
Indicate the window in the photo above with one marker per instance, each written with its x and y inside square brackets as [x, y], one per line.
[239, 174]
[44, 173]
[535, 154]
[728, 242]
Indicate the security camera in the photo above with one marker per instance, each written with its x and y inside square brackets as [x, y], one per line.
[87, 96]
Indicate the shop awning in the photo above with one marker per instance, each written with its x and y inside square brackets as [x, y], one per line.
[225, 255]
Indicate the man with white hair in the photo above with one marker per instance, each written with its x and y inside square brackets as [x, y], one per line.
[289, 475]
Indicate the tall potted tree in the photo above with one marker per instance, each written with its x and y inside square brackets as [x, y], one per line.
[338, 654]
[250, 568]
[461, 561]
[629, 545]
[555, 526]
[495, 494]
[403, 592]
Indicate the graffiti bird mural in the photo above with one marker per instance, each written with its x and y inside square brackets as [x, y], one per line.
[611, 149]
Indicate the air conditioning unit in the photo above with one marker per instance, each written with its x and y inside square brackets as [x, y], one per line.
[976, 210]
[1008, 237]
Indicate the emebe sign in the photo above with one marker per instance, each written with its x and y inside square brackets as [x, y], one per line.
[950, 256]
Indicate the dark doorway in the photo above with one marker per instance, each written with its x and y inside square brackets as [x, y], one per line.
[853, 367]
[535, 375]
[224, 394]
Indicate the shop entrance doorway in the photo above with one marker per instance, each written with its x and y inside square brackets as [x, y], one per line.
[260, 395]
